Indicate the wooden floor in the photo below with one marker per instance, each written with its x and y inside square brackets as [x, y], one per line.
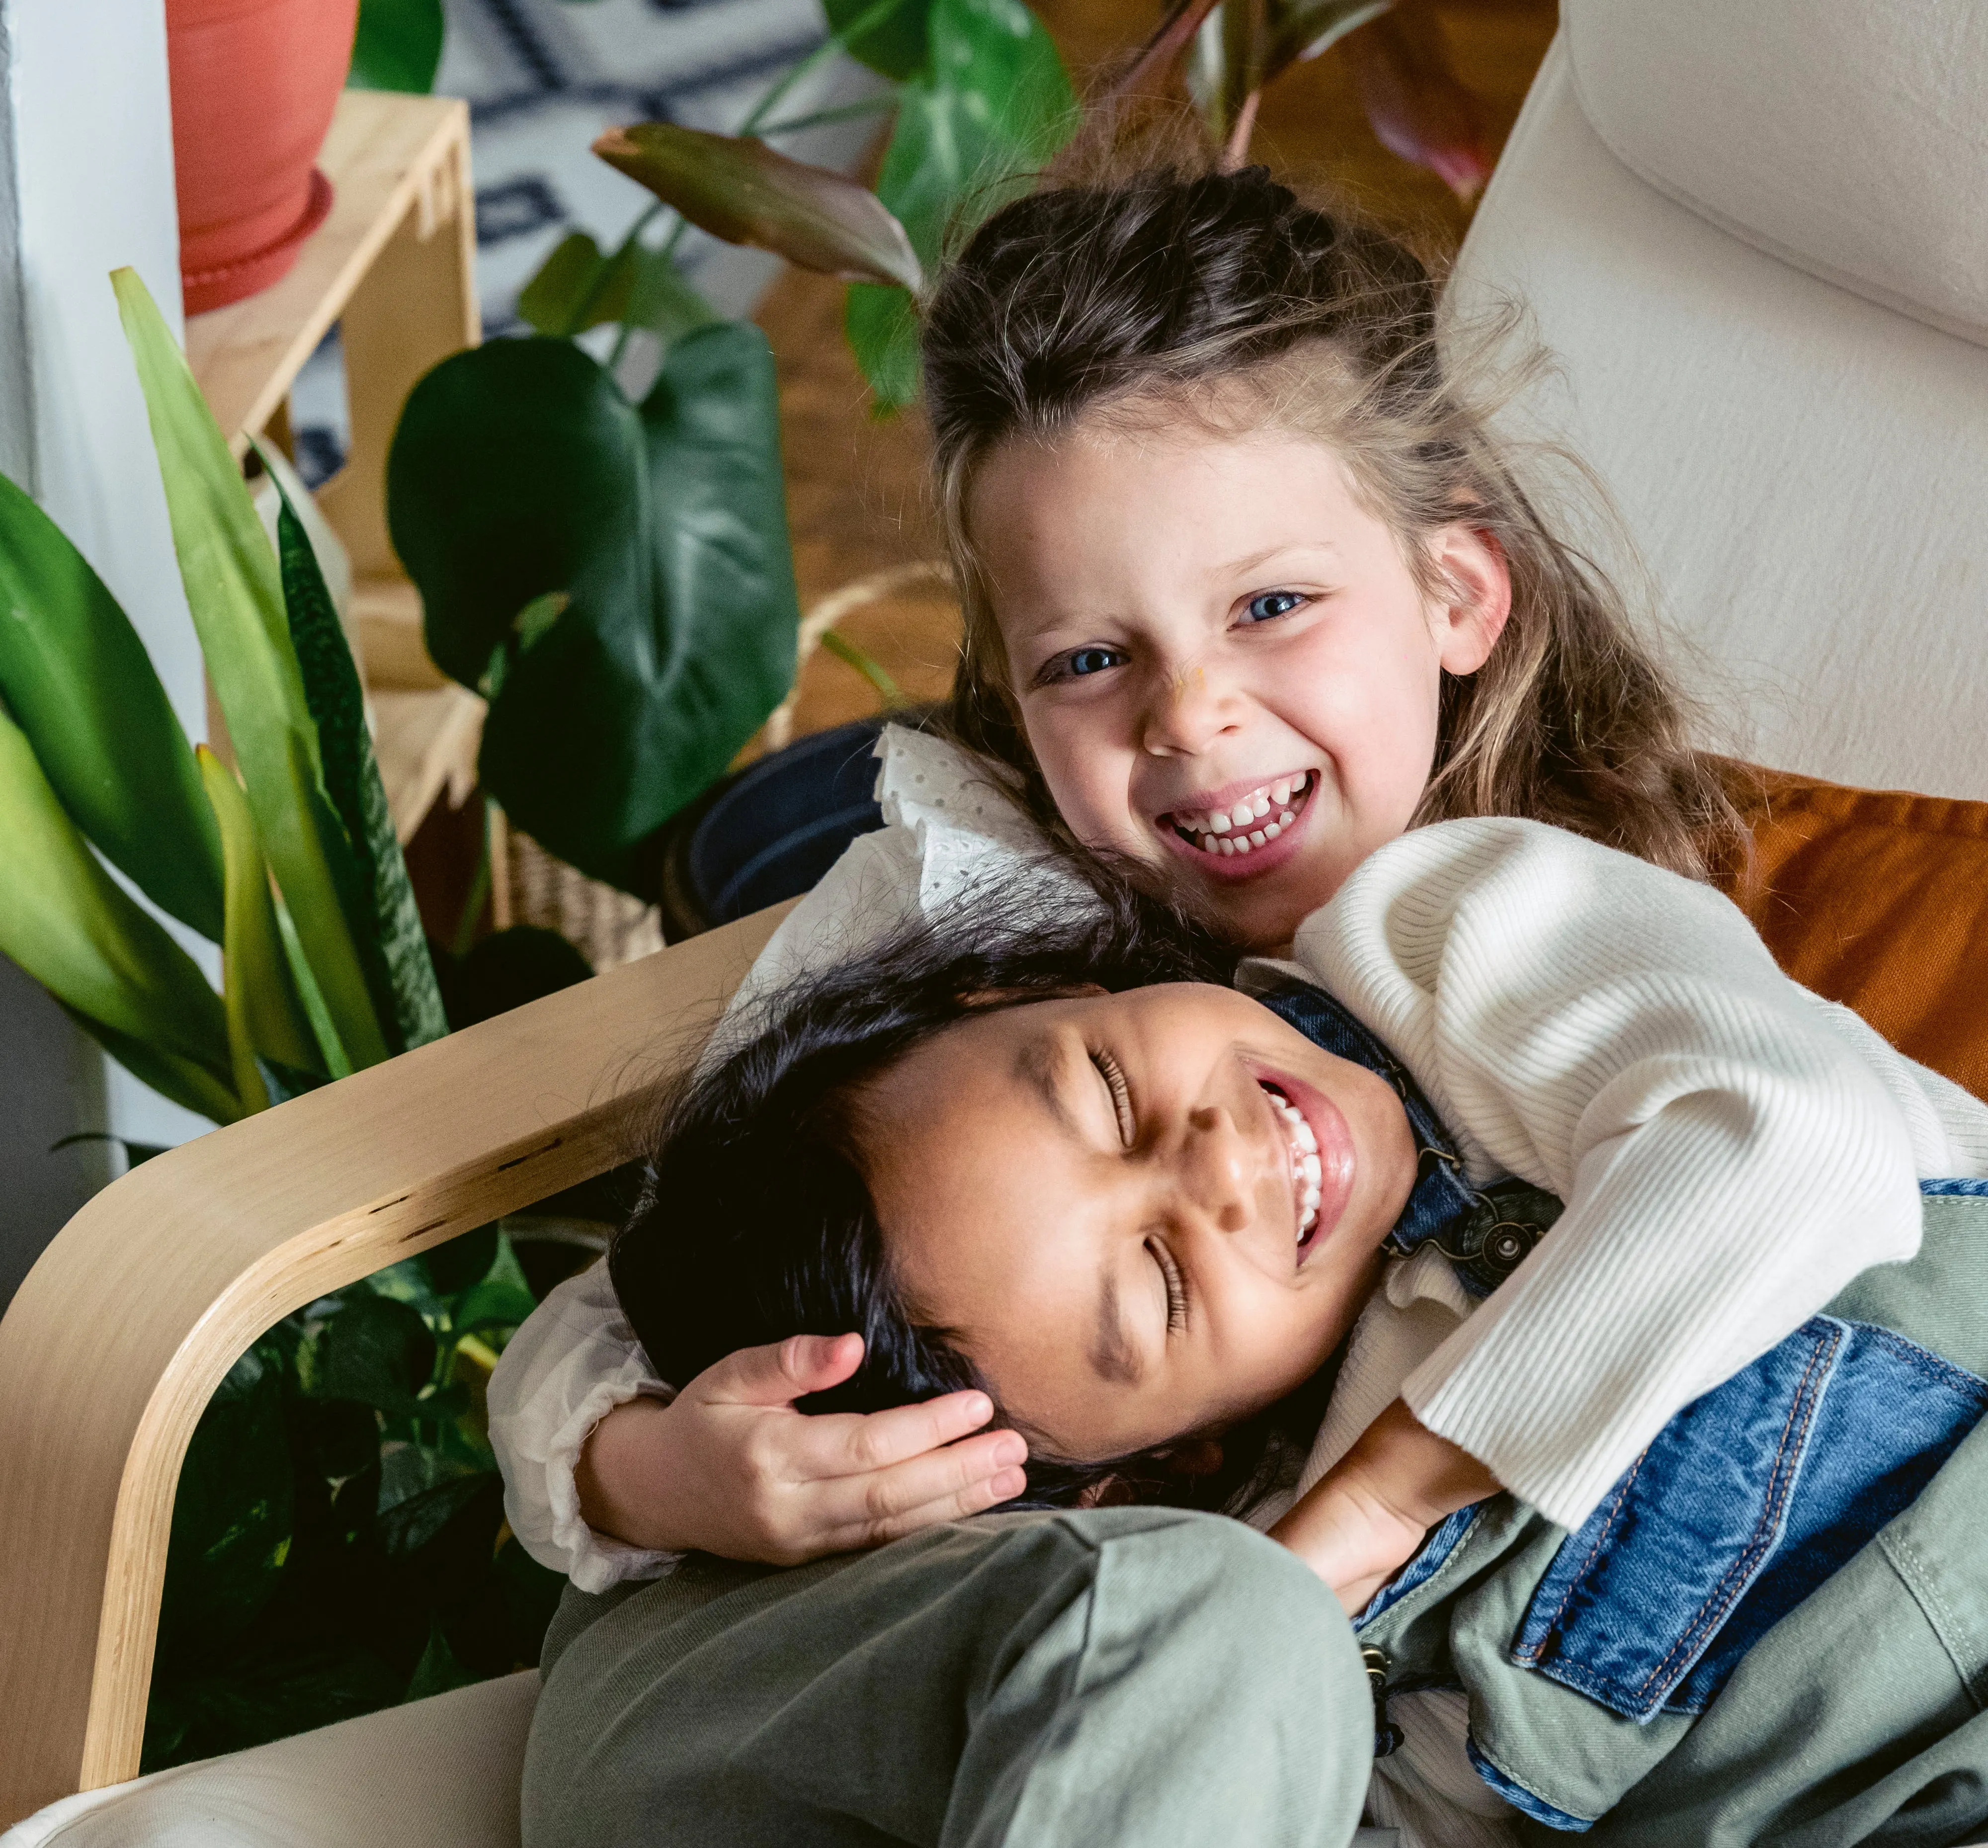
[856, 486]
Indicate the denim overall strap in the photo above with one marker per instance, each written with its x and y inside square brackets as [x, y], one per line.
[1484, 1236]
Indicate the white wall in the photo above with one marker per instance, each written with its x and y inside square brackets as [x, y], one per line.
[85, 185]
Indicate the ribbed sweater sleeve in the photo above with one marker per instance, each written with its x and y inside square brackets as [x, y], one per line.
[1730, 1157]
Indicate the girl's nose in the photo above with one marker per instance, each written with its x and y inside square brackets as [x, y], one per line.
[1186, 710]
[1217, 1171]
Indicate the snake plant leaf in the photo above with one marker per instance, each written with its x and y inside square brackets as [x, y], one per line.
[265, 1021]
[372, 875]
[398, 46]
[235, 594]
[79, 682]
[995, 107]
[645, 288]
[110, 962]
[897, 46]
[739, 189]
[519, 469]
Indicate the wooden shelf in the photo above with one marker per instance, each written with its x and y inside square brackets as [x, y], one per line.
[394, 266]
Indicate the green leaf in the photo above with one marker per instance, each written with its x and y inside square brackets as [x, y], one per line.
[509, 968]
[79, 682]
[232, 1513]
[438, 1670]
[1226, 65]
[263, 1019]
[466, 1259]
[236, 598]
[995, 109]
[379, 905]
[414, 1521]
[646, 290]
[77, 931]
[739, 189]
[519, 468]
[398, 46]
[375, 1351]
[500, 1299]
[556, 295]
[1303, 29]
[898, 46]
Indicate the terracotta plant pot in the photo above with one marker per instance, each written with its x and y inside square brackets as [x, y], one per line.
[253, 85]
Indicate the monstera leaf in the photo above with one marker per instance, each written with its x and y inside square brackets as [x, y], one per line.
[895, 44]
[994, 106]
[617, 579]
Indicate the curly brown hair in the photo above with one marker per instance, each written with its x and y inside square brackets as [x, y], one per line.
[1223, 298]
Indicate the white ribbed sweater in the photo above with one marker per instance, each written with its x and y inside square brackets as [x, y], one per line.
[1732, 1149]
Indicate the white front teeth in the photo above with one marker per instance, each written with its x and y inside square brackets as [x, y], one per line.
[1246, 824]
[1306, 1170]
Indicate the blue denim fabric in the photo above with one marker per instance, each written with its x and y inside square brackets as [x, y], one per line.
[1747, 1501]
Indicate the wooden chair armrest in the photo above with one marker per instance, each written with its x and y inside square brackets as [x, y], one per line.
[112, 1348]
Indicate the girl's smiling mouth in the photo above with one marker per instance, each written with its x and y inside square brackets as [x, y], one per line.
[1249, 833]
[1322, 1159]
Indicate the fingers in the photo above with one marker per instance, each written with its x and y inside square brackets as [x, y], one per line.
[896, 1503]
[783, 1373]
[963, 1478]
[855, 1443]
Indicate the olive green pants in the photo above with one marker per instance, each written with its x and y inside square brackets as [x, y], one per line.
[1117, 1677]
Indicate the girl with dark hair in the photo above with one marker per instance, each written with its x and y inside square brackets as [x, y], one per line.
[1059, 1164]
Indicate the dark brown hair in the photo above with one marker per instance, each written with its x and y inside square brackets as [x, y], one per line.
[1224, 299]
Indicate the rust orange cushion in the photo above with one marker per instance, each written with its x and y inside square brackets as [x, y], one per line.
[1878, 898]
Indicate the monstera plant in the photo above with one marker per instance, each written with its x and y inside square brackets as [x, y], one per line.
[616, 577]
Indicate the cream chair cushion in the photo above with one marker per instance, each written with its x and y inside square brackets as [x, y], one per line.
[1847, 136]
[1803, 471]
[440, 1773]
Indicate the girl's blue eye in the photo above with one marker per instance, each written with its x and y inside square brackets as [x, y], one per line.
[1270, 604]
[1089, 661]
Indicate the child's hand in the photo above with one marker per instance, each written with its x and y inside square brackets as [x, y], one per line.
[1362, 1521]
[729, 1466]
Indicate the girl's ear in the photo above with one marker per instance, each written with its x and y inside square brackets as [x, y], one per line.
[1471, 563]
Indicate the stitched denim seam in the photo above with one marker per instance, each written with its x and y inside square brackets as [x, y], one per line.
[1955, 1636]
[1531, 1657]
[1719, 1602]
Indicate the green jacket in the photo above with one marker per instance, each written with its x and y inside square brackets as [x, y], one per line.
[1776, 1629]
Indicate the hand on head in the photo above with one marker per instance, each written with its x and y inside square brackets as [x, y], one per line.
[729, 1466]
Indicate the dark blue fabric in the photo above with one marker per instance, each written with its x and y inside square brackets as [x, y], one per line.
[1746, 1501]
[1969, 1188]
